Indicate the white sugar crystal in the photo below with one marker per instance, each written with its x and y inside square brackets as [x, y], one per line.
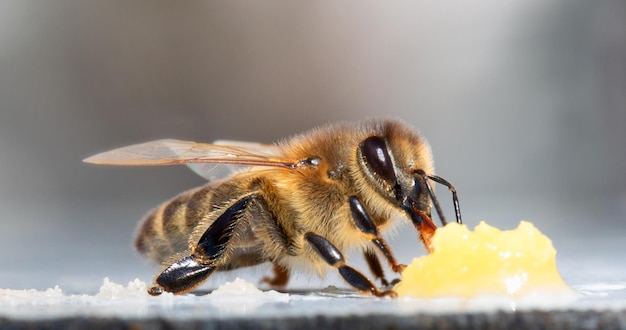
[32, 296]
[240, 287]
[241, 297]
[111, 290]
[52, 292]
[237, 287]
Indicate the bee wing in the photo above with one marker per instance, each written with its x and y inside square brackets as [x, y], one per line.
[201, 157]
[213, 172]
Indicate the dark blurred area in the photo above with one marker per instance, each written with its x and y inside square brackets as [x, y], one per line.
[523, 102]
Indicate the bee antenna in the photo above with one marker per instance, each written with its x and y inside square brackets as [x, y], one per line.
[455, 198]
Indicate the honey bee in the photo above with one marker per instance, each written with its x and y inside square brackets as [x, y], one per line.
[296, 204]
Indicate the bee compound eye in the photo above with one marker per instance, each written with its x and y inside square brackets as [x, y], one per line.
[375, 154]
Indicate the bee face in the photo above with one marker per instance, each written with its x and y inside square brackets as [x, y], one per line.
[390, 164]
[297, 204]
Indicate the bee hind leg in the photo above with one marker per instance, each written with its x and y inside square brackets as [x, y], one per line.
[182, 276]
[280, 279]
[332, 256]
[190, 271]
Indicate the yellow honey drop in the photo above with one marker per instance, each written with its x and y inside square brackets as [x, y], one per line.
[486, 261]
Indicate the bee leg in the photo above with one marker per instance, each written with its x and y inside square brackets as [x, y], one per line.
[190, 271]
[280, 279]
[367, 226]
[375, 267]
[182, 276]
[332, 256]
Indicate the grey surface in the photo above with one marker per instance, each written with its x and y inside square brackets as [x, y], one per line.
[522, 101]
[524, 320]
[499, 320]
[599, 307]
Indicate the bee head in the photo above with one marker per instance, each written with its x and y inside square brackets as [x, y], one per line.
[398, 165]
[388, 177]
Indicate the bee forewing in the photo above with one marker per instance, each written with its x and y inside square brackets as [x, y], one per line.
[213, 172]
[260, 148]
[171, 152]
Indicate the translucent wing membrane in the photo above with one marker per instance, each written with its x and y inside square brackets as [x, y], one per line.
[214, 172]
[172, 152]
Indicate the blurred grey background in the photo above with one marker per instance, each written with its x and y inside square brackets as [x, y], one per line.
[523, 102]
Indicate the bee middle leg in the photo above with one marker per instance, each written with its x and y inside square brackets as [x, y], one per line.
[190, 271]
[332, 256]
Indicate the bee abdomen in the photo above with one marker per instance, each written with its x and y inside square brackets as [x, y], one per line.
[165, 231]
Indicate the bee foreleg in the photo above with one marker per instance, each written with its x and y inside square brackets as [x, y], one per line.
[332, 256]
[190, 271]
[375, 267]
[367, 226]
